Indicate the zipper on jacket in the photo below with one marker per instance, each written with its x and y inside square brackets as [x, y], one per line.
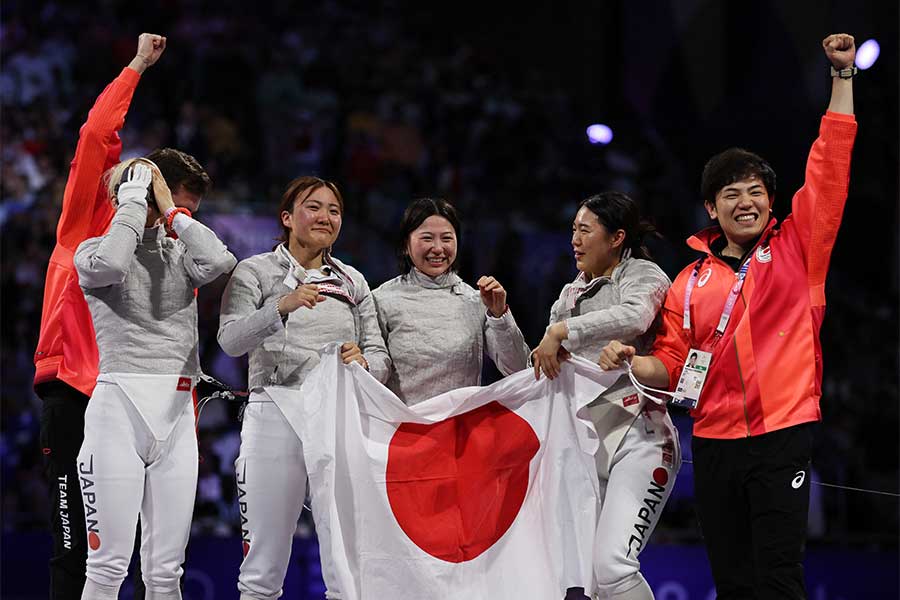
[737, 359]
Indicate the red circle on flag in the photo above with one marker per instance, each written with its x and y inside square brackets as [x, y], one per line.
[246, 548]
[455, 487]
[660, 476]
[93, 540]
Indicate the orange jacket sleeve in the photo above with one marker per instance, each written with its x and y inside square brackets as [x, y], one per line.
[672, 341]
[818, 206]
[85, 209]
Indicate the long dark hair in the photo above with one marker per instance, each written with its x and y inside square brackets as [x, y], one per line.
[615, 211]
[414, 215]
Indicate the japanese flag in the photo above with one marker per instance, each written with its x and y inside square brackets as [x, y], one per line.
[479, 493]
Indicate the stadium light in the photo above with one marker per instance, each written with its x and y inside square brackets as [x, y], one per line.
[599, 134]
[867, 54]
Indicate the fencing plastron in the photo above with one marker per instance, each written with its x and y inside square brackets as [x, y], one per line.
[478, 493]
[614, 414]
[159, 399]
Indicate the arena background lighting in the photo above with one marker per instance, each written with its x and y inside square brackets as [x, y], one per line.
[867, 54]
[599, 134]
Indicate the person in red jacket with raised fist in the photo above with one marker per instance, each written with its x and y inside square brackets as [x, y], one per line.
[752, 306]
[66, 359]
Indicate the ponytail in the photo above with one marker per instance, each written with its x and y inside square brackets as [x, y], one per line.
[615, 211]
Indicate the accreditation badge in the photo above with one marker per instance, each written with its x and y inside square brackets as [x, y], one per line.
[693, 376]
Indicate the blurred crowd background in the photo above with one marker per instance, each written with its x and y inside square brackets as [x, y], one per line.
[487, 107]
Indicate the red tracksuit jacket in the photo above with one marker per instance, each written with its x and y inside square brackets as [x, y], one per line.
[67, 348]
[766, 370]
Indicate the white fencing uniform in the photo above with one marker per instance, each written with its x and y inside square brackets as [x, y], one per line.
[640, 455]
[126, 469]
[282, 352]
[437, 331]
[139, 454]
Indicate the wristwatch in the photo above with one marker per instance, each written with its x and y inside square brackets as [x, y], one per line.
[845, 73]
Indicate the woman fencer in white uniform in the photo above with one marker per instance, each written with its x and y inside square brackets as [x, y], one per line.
[616, 296]
[281, 308]
[436, 327]
[139, 454]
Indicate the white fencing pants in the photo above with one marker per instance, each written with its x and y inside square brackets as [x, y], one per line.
[641, 477]
[271, 478]
[125, 472]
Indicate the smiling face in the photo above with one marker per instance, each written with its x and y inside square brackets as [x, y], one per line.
[597, 250]
[432, 246]
[743, 209]
[315, 219]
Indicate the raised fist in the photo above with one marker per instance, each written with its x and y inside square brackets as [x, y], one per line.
[840, 50]
[150, 47]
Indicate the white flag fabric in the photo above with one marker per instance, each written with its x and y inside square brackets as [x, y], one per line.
[482, 493]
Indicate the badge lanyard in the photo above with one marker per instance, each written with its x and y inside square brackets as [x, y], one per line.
[729, 302]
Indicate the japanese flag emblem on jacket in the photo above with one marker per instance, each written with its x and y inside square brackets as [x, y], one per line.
[479, 493]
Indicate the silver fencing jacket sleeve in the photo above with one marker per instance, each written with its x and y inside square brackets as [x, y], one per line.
[105, 260]
[205, 256]
[622, 307]
[246, 318]
[504, 343]
[370, 341]
[141, 294]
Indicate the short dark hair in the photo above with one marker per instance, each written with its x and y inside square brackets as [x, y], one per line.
[734, 164]
[414, 215]
[615, 211]
[180, 169]
[296, 188]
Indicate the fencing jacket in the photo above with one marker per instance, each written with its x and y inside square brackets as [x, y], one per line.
[622, 306]
[140, 288]
[437, 331]
[283, 351]
[139, 285]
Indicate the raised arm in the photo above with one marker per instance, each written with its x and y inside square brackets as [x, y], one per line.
[104, 261]
[205, 256]
[503, 340]
[840, 49]
[86, 210]
[817, 207]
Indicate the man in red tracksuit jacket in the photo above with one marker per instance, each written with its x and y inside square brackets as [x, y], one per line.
[66, 357]
[755, 301]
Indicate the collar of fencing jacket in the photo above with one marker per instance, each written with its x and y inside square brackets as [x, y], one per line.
[152, 234]
[448, 280]
[329, 273]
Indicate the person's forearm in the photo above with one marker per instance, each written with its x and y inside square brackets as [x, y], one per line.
[841, 96]
[650, 371]
[139, 63]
